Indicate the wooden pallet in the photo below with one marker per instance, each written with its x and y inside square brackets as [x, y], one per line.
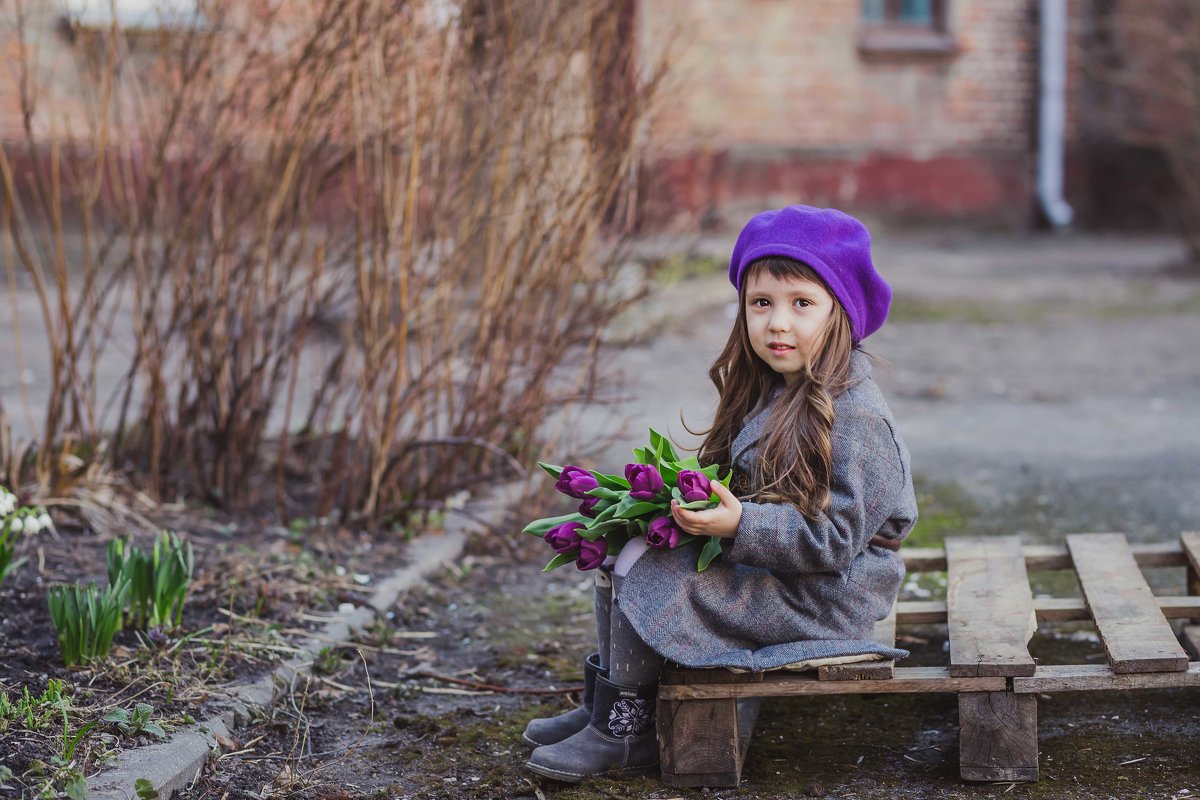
[706, 717]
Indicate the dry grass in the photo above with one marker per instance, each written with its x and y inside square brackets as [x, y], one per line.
[366, 248]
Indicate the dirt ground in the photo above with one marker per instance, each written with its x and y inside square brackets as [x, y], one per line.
[1044, 385]
[254, 586]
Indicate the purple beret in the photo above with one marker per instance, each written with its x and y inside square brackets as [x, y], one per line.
[835, 245]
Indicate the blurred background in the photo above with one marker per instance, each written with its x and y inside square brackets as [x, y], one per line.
[355, 257]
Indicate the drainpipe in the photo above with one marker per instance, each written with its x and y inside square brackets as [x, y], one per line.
[1052, 113]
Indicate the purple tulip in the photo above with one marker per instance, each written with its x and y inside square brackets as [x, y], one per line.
[564, 539]
[575, 481]
[663, 533]
[587, 506]
[591, 554]
[644, 481]
[694, 485]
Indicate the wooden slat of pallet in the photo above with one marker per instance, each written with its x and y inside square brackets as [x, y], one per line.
[1048, 609]
[698, 742]
[997, 737]
[1191, 641]
[989, 607]
[1136, 635]
[1045, 558]
[908, 680]
[1094, 677]
[885, 634]
[1190, 542]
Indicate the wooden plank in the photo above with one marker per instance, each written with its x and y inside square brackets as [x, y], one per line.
[675, 673]
[747, 717]
[1047, 558]
[1100, 677]
[1047, 609]
[885, 634]
[1191, 641]
[997, 738]
[1190, 541]
[698, 741]
[908, 680]
[989, 607]
[1136, 635]
[704, 742]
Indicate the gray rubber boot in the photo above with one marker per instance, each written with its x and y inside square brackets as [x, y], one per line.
[548, 730]
[620, 739]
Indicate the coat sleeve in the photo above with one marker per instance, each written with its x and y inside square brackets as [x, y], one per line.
[868, 478]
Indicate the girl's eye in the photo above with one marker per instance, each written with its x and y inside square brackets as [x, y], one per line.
[760, 302]
[803, 303]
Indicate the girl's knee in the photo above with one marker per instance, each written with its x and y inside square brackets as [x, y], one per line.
[630, 553]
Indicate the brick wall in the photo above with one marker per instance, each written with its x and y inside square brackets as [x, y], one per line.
[774, 101]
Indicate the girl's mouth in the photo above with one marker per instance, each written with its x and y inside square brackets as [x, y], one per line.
[779, 347]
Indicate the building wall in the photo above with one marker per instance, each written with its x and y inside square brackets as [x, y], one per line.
[774, 101]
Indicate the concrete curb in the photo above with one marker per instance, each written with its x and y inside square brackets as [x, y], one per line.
[177, 762]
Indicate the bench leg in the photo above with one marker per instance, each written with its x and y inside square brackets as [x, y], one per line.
[698, 742]
[997, 736]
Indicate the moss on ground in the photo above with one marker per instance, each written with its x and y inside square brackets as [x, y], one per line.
[1142, 301]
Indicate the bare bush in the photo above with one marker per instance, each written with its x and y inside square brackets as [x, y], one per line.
[368, 243]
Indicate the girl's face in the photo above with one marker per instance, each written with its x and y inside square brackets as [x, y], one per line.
[785, 319]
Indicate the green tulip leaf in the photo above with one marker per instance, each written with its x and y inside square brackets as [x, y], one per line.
[601, 528]
[689, 463]
[605, 514]
[616, 540]
[711, 471]
[553, 470]
[638, 508]
[539, 526]
[712, 549]
[611, 481]
[605, 493]
[700, 505]
[662, 445]
[670, 475]
[558, 561]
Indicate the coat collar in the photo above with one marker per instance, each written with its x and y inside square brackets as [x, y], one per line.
[752, 431]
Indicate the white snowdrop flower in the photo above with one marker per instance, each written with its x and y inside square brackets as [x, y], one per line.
[16, 525]
[45, 521]
[32, 525]
[361, 578]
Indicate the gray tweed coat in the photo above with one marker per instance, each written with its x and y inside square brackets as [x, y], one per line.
[786, 588]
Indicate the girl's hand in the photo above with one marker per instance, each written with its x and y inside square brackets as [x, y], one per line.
[720, 521]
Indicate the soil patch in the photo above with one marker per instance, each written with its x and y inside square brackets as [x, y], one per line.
[498, 622]
[256, 587]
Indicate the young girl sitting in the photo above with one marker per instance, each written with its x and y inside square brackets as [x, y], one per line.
[822, 495]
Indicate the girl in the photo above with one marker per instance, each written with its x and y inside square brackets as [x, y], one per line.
[822, 497]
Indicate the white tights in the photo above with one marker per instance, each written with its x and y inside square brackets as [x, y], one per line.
[630, 553]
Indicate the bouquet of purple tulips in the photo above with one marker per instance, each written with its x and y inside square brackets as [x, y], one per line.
[613, 508]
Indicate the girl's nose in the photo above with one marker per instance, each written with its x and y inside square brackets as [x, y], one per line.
[778, 322]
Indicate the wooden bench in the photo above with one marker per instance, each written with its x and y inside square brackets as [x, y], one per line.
[706, 717]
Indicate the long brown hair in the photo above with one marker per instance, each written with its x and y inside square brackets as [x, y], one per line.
[796, 453]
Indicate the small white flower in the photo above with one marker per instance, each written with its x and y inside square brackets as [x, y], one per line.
[16, 525]
[32, 525]
[45, 521]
